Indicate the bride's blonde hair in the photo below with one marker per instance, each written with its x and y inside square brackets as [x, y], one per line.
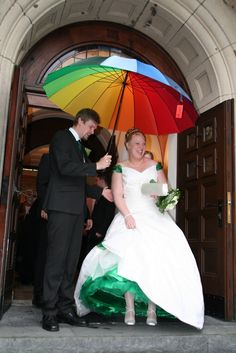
[131, 132]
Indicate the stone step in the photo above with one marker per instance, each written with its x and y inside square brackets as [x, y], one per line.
[21, 332]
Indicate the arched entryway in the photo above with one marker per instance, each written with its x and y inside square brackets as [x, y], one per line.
[42, 119]
[125, 39]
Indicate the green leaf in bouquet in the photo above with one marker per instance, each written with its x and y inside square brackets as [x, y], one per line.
[168, 202]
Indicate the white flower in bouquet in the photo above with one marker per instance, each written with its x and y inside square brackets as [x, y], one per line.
[168, 202]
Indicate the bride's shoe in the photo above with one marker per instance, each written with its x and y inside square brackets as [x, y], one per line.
[130, 317]
[151, 317]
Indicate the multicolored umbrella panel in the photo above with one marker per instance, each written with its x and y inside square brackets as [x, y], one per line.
[125, 92]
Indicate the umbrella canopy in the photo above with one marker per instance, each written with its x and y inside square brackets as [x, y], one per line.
[125, 92]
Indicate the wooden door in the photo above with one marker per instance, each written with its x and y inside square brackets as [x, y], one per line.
[206, 176]
[14, 153]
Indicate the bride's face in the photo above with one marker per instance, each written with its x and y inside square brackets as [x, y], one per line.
[136, 146]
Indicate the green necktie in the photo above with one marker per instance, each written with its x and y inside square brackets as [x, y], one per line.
[81, 147]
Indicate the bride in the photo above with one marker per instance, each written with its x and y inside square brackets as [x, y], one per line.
[144, 266]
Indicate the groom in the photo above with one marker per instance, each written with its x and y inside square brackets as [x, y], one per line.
[65, 204]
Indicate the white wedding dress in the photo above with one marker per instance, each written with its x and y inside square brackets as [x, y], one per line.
[155, 259]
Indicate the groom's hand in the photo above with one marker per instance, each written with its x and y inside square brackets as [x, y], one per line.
[44, 215]
[104, 162]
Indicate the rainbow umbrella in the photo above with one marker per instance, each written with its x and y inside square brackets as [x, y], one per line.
[125, 92]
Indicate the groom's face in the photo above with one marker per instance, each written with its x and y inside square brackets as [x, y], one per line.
[86, 128]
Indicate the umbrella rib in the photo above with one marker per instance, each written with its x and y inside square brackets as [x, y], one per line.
[108, 88]
[146, 80]
[110, 82]
[152, 89]
[136, 80]
[114, 72]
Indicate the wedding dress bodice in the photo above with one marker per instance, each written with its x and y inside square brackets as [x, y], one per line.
[132, 184]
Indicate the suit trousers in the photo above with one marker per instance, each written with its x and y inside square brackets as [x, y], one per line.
[64, 243]
[40, 260]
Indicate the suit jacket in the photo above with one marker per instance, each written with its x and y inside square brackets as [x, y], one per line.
[67, 188]
[42, 179]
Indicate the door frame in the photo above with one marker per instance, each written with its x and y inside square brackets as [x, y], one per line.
[8, 191]
[230, 265]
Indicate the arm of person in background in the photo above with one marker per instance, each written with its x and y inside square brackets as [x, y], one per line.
[88, 222]
[103, 215]
[117, 189]
[95, 192]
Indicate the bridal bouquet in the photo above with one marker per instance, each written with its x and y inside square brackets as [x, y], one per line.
[168, 202]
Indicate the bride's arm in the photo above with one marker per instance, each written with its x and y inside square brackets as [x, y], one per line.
[117, 190]
[161, 177]
[118, 194]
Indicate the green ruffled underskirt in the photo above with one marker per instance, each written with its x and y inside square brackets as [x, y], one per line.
[105, 295]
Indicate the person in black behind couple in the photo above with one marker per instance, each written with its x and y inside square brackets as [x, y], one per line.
[100, 214]
[64, 204]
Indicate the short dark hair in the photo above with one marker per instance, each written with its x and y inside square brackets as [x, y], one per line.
[86, 114]
[149, 153]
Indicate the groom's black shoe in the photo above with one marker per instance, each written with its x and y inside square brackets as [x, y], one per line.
[50, 323]
[71, 318]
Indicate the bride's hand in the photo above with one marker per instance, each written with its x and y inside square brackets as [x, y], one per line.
[154, 197]
[130, 221]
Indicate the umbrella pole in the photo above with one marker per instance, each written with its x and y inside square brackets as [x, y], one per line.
[112, 140]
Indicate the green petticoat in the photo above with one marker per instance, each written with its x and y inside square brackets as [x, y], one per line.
[105, 295]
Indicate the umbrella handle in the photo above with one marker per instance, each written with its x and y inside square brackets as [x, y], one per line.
[110, 143]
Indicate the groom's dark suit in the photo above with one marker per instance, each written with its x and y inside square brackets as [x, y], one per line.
[65, 203]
